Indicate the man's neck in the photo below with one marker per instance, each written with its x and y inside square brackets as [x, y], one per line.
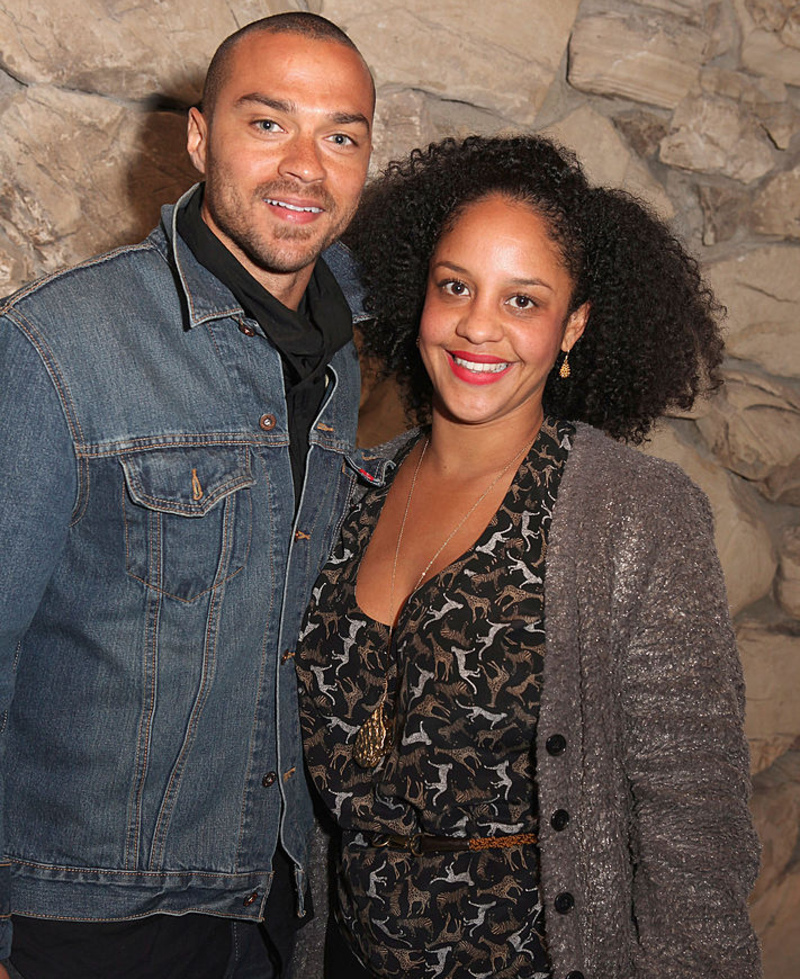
[288, 288]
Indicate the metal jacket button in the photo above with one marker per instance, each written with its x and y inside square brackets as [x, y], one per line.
[564, 903]
[559, 819]
[248, 330]
[556, 744]
[267, 422]
[269, 779]
[250, 899]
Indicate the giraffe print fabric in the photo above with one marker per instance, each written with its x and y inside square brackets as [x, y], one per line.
[462, 683]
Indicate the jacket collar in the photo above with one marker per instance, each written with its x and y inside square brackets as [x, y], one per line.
[206, 298]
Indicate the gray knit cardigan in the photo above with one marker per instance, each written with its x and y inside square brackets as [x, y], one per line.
[640, 739]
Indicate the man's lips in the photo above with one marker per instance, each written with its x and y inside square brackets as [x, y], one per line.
[298, 207]
[477, 368]
[294, 211]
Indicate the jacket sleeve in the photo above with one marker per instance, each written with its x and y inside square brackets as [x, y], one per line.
[695, 853]
[38, 482]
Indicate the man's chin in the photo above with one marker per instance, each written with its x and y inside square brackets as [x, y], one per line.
[293, 254]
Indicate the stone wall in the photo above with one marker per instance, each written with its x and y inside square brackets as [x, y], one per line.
[691, 104]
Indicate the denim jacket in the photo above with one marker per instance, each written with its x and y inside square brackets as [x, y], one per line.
[152, 582]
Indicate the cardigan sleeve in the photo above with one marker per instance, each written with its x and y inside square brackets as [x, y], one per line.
[694, 851]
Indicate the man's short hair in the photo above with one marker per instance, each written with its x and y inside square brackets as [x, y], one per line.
[293, 22]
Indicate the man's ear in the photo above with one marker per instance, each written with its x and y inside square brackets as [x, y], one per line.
[197, 139]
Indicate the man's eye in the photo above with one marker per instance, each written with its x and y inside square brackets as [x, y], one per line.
[267, 125]
[342, 139]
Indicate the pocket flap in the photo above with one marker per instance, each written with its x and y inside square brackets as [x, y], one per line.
[188, 480]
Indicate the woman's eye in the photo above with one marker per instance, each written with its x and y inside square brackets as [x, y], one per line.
[522, 302]
[453, 287]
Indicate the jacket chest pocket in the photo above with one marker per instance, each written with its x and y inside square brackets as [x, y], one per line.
[188, 517]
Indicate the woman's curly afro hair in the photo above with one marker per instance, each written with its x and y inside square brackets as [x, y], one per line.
[652, 340]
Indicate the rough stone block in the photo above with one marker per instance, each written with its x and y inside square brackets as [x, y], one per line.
[787, 582]
[129, 51]
[725, 212]
[776, 813]
[761, 289]
[770, 33]
[81, 174]
[653, 59]
[716, 135]
[771, 662]
[753, 425]
[466, 52]
[776, 208]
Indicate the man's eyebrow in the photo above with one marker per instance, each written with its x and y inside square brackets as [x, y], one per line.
[279, 105]
[350, 118]
[284, 105]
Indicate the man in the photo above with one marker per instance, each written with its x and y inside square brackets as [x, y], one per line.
[176, 446]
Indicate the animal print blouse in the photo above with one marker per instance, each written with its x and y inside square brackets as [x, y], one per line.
[464, 675]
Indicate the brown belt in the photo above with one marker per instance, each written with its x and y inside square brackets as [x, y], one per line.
[429, 843]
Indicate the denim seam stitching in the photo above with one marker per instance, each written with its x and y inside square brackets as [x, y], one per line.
[209, 668]
[38, 342]
[268, 616]
[122, 447]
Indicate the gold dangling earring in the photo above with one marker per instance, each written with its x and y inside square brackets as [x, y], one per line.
[564, 371]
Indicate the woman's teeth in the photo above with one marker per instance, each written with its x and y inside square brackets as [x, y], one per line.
[472, 365]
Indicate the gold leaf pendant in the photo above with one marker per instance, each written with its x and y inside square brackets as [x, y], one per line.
[373, 740]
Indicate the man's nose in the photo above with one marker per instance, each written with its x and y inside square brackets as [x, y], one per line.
[302, 160]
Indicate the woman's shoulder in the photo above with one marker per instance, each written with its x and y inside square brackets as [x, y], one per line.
[604, 473]
[599, 459]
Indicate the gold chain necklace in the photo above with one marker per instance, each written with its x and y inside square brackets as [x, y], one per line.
[374, 738]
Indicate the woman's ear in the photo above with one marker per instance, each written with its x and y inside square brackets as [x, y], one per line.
[576, 324]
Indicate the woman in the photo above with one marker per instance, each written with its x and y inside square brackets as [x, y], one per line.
[521, 695]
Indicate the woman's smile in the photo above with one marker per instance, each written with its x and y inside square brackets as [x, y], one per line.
[475, 369]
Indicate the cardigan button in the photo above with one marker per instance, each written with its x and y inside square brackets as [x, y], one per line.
[559, 820]
[564, 903]
[556, 744]
[575, 974]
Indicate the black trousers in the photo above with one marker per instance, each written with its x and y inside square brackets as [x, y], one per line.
[160, 946]
[340, 962]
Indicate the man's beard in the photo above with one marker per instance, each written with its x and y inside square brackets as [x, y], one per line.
[264, 250]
